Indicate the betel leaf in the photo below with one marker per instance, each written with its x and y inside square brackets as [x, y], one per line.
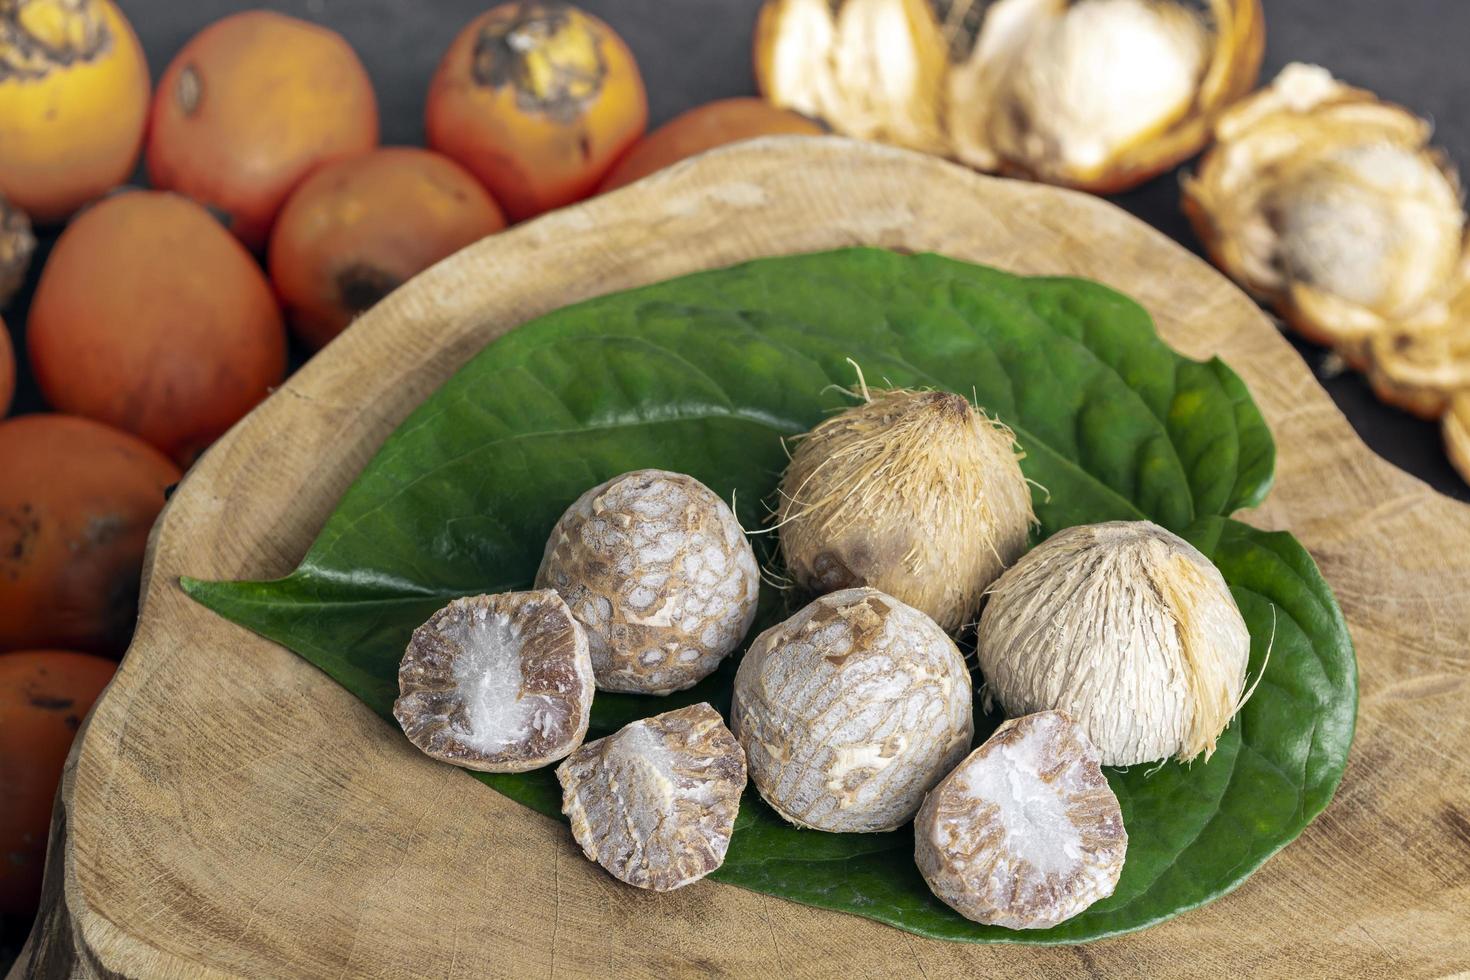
[705, 375]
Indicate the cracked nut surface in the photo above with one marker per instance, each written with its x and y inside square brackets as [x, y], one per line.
[850, 710]
[1025, 832]
[498, 683]
[657, 569]
[655, 802]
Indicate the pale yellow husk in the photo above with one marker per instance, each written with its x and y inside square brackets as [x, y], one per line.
[1331, 205]
[1099, 94]
[1127, 628]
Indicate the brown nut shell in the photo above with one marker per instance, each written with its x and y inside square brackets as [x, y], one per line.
[497, 683]
[655, 802]
[850, 710]
[657, 569]
[1025, 832]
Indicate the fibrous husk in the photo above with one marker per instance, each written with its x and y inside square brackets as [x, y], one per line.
[1330, 204]
[1128, 629]
[1098, 94]
[1420, 366]
[915, 493]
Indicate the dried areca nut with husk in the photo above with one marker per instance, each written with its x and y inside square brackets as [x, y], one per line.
[915, 493]
[1026, 832]
[1095, 94]
[1457, 433]
[1331, 205]
[655, 803]
[1420, 370]
[17, 244]
[497, 683]
[1421, 367]
[657, 569]
[1128, 629]
[874, 69]
[851, 710]
[1098, 94]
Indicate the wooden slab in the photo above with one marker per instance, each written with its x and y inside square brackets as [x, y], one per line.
[230, 810]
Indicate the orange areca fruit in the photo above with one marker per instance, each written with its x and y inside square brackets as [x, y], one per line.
[537, 99]
[249, 107]
[357, 229]
[44, 695]
[151, 318]
[73, 101]
[704, 128]
[77, 500]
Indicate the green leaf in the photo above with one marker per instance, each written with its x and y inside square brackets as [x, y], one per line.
[706, 375]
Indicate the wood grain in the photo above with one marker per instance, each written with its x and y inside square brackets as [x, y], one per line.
[232, 811]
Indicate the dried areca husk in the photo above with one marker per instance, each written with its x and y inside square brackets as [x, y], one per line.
[874, 69]
[915, 493]
[1098, 94]
[1331, 205]
[1420, 370]
[1128, 629]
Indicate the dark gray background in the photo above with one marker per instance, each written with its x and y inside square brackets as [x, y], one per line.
[691, 51]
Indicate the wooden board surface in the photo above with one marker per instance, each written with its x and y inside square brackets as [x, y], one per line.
[230, 810]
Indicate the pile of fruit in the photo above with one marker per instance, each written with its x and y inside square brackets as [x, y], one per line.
[260, 144]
